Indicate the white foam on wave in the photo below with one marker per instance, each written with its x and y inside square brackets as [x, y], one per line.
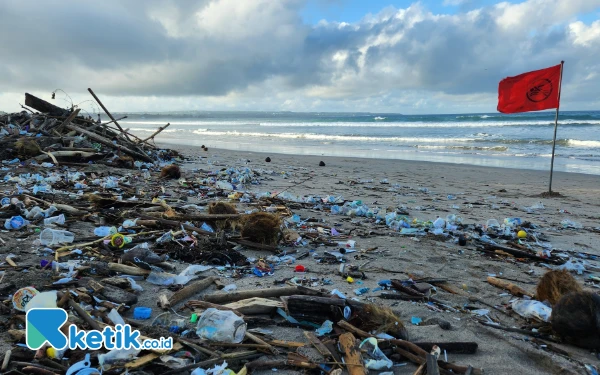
[190, 123]
[424, 124]
[152, 130]
[326, 137]
[585, 144]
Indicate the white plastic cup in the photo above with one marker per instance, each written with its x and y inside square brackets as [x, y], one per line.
[55, 237]
[60, 219]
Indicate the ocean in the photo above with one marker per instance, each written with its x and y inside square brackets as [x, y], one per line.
[488, 139]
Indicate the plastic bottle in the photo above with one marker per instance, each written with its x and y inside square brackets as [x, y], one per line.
[221, 326]
[129, 223]
[15, 222]
[35, 213]
[54, 237]
[207, 228]
[40, 189]
[60, 219]
[105, 231]
[161, 278]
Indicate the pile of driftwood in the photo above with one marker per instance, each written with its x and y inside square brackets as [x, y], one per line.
[64, 136]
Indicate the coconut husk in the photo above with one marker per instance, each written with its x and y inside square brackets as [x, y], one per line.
[124, 161]
[262, 227]
[381, 319]
[27, 148]
[217, 208]
[171, 171]
[576, 317]
[555, 284]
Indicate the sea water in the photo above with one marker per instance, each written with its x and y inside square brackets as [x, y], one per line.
[517, 141]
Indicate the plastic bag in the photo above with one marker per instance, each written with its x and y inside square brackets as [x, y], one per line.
[574, 265]
[532, 309]
[378, 360]
[325, 328]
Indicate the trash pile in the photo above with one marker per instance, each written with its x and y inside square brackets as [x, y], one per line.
[56, 136]
[146, 246]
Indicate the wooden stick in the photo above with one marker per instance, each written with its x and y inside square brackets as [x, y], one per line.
[10, 261]
[106, 142]
[6, 360]
[108, 113]
[160, 129]
[82, 154]
[129, 270]
[255, 245]
[420, 369]
[353, 357]
[205, 217]
[68, 120]
[265, 293]
[321, 348]
[287, 344]
[519, 253]
[81, 312]
[208, 305]
[259, 341]
[512, 288]
[349, 327]
[191, 290]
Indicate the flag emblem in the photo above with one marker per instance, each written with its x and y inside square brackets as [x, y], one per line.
[540, 90]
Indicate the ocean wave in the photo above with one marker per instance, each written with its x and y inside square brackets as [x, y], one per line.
[152, 130]
[371, 124]
[191, 123]
[480, 138]
[425, 124]
[475, 148]
[326, 137]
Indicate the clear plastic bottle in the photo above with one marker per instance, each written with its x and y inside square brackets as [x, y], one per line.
[105, 231]
[60, 219]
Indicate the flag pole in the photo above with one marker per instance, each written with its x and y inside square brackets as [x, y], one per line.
[562, 64]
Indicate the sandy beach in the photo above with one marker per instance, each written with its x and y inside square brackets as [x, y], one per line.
[422, 191]
[482, 194]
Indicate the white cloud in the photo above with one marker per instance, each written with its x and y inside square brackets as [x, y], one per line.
[258, 54]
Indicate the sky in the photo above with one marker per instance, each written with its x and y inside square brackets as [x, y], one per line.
[381, 56]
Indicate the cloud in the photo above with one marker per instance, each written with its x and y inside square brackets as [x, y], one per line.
[259, 54]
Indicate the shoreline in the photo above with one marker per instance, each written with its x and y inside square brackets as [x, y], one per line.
[539, 164]
[537, 174]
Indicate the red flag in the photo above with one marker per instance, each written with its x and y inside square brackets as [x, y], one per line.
[532, 91]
